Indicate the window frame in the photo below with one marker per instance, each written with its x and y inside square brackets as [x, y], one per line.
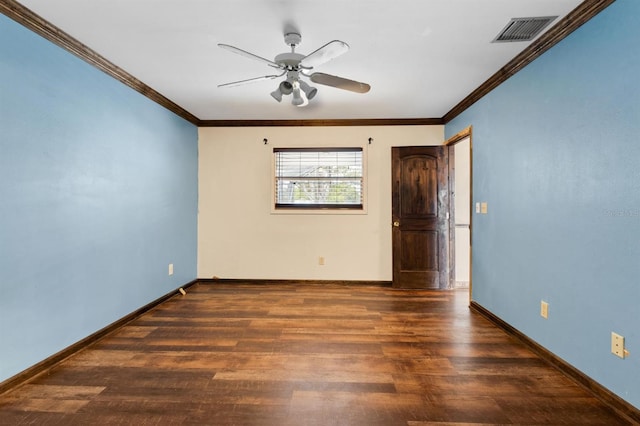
[319, 208]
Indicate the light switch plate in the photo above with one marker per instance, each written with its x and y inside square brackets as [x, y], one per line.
[544, 309]
[483, 208]
[617, 345]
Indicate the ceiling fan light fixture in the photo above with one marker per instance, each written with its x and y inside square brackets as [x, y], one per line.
[309, 91]
[298, 99]
[285, 87]
[277, 94]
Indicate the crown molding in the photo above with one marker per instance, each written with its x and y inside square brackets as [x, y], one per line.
[576, 18]
[35, 23]
[325, 123]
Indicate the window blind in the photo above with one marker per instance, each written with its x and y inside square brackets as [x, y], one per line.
[318, 178]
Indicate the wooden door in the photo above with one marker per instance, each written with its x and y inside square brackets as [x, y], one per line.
[420, 225]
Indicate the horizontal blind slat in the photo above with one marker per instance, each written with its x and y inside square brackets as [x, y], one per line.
[337, 149]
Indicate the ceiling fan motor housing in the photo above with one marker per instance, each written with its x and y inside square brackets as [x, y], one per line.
[289, 59]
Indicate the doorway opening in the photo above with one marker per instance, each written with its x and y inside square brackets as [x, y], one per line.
[460, 147]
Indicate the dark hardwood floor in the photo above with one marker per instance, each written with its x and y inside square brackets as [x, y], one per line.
[306, 354]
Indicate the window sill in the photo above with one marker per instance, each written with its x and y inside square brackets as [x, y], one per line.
[318, 211]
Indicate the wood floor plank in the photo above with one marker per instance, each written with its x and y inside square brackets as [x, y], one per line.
[317, 374]
[306, 354]
[47, 405]
[52, 391]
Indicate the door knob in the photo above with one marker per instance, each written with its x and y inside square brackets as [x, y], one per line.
[396, 223]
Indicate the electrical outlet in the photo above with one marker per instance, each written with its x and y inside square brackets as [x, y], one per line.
[483, 207]
[617, 345]
[321, 261]
[171, 269]
[544, 309]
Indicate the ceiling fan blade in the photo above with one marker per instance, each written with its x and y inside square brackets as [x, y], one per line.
[248, 55]
[250, 80]
[339, 82]
[329, 51]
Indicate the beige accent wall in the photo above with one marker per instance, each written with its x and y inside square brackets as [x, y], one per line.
[240, 237]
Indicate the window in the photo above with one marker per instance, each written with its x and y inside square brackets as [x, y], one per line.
[318, 178]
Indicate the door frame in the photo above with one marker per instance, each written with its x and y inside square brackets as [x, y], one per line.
[453, 140]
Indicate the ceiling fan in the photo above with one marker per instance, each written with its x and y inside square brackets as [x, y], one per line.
[293, 66]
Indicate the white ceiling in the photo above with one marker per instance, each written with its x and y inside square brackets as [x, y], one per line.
[421, 57]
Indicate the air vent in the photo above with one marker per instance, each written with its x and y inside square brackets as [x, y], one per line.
[523, 29]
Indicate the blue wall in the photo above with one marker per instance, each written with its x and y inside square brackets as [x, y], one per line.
[556, 156]
[98, 194]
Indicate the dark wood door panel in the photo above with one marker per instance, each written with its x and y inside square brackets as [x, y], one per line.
[424, 242]
[418, 184]
[420, 222]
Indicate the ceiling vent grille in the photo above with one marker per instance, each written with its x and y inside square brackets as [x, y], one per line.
[523, 29]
